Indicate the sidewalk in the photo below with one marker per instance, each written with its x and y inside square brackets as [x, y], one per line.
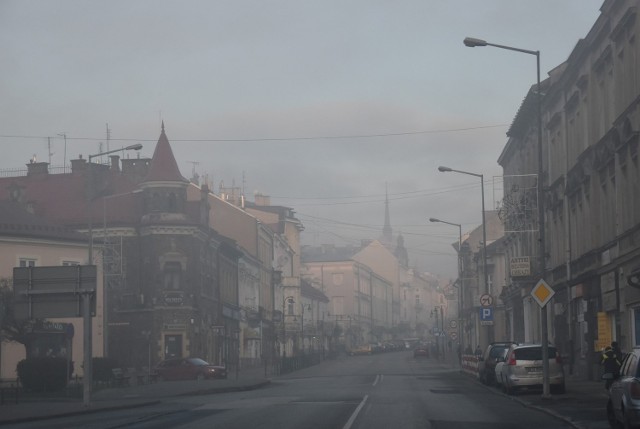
[129, 397]
[583, 405]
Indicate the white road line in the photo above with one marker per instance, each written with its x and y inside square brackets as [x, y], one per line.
[376, 380]
[355, 413]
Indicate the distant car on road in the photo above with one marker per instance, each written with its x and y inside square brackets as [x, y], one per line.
[188, 369]
[421, 350]
[623, 405]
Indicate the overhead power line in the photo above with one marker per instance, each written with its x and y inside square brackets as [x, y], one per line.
[274, 139]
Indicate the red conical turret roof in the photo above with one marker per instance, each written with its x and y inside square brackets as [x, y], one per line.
[164, 167]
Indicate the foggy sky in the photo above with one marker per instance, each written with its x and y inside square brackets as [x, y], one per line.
[320, 104]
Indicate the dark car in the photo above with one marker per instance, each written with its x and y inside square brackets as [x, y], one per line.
[188, 369]
[487, 362]
[623, 406]
[421, 350]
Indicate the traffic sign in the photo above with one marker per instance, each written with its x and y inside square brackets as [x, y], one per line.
[453, 335]
[542, 293]
[486, 300]
[453, 324]
[486, 316]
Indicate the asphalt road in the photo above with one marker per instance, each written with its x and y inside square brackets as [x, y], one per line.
[391, 390]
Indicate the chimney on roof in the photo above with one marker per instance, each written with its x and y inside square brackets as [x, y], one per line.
[262, 200]
[115, 163]
[78, 165]
[35, 168]
[136, 168]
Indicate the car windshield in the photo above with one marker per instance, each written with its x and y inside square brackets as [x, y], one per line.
[312, 214]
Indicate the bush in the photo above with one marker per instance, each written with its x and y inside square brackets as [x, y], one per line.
[102, 369]
[43, 374]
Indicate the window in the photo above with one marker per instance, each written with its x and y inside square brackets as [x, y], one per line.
[337, 279]
[27, 262]
[172, 275]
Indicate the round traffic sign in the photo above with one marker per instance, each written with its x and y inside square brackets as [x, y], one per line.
[486, 300]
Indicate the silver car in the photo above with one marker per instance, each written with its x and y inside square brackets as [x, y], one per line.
[522, 368]
[623, 407]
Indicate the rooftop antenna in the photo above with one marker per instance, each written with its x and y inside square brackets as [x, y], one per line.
[108, 136]
[64, 163]
[194, 174]
[49, 149]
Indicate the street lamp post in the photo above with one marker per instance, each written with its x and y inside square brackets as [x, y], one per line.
[434, 313]
[461, 288]
[472, 43]
[88, 335]
[285, 300]
[484, 231]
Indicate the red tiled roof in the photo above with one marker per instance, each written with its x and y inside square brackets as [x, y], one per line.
[164, 167]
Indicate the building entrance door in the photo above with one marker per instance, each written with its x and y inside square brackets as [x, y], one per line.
[172, 346]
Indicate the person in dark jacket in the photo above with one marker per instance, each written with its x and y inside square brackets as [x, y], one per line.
[617, 351]
[611, 365]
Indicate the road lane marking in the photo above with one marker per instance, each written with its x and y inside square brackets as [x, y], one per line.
[379, 378]
[355, 413]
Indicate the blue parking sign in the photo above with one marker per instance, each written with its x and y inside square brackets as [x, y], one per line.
[486, 316]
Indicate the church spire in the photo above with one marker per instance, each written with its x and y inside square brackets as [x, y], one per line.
[387, 232]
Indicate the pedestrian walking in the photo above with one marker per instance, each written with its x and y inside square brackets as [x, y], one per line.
[611, 366]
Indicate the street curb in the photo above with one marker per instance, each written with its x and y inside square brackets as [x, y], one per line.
[87, 410]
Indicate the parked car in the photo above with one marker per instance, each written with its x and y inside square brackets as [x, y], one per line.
[523, 368]
[623, 405]
[487, 362]
[421, 350]
[188, 369]
[500, 361]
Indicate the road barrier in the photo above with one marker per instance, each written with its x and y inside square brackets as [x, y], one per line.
[470, 364]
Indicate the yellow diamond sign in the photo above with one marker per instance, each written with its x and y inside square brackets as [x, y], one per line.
[542, 293]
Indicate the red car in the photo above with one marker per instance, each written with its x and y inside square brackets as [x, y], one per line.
[188, 369]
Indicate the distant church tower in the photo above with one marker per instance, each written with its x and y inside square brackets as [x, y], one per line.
[387, 232]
